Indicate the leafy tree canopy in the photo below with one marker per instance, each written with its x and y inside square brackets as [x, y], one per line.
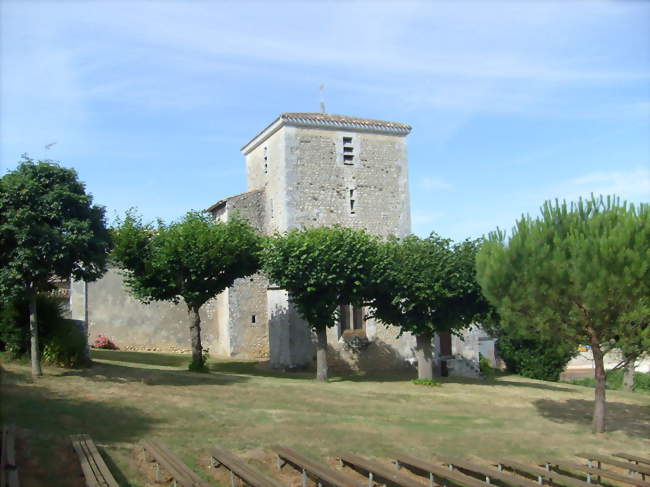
[321, 268]
[48, 226]
[580, 271]
[193, 259]
[427, 285]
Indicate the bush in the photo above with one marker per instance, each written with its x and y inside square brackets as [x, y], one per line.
[67, 347]
[535, 358]
[426, 382]
[202, 366]
[486, 369]
[61, 341]
[14, 323]
[615, 381]
[104, 342]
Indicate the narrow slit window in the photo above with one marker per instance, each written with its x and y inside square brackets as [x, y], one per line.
[253, 319]
[266, 160]
[348, 151]
[352, 200]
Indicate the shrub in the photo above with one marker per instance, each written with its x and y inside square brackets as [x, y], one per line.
[61, 342]
[14, 323]
[195, 366]
[535, 358]
[486, 369]
[66, 347]
[615, 381]
[426, 382]
[102, 341]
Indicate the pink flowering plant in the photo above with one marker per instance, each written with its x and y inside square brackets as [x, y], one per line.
[104, 342]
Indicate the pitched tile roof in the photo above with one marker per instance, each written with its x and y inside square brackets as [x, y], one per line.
[344, 119]
[327, 121]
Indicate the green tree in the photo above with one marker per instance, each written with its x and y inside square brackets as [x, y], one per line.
[48, 228]
[579, 272]
[427, 286]
[321, 268]
[193, 259]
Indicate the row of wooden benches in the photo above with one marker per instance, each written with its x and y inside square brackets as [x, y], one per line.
[457, 472]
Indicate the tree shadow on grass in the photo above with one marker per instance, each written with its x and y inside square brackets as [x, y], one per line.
[144, 358]
[631, 419]
[105, 372]
[507, 383]
[36, 408]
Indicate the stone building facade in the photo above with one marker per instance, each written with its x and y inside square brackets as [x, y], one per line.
[303, 170]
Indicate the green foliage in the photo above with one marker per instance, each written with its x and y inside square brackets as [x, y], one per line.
[14, 322]
[486, 369]
[321, 268]
[48, 226]
[200, 365]
[427, 285]
[66, 347]
[542, 359]
[426, 382]
[615, 381]
[61, 343]
[580, 273]
[194, 259]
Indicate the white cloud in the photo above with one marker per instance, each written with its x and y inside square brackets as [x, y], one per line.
[633, 185]
[430, 183]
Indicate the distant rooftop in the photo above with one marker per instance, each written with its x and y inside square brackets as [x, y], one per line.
[328, 121]
[342, 119]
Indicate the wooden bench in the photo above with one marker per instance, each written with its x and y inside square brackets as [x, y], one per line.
[375, 470]
[591, 472]
[181, 475]
[96, 473]
[543, 474]
[633, 458]
[630, 467]
[434, 471]
[322, 474]
[240, 469]
[490, 474]
[8, 467]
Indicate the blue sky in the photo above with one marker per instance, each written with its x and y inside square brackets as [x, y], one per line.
[511, 103]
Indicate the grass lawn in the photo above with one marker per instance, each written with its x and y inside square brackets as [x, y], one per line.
[128, 396]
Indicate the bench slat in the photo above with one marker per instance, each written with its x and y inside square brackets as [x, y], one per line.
[508, 478]
[439, 471]
[320, 471]
[549, 475]
[642, 469]
[95, 470]
[584, 470]
[382, 472]
[173, 465]
[633, 458]
[243, 470]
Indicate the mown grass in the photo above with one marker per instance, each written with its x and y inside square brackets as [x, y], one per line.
[129, 396]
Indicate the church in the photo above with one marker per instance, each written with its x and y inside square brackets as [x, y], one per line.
[303, 170]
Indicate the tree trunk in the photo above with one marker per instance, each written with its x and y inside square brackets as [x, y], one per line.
[321, 355]
[195, 336]
[599, 405]
[424, 355]
[33, 331]
[628, 376]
